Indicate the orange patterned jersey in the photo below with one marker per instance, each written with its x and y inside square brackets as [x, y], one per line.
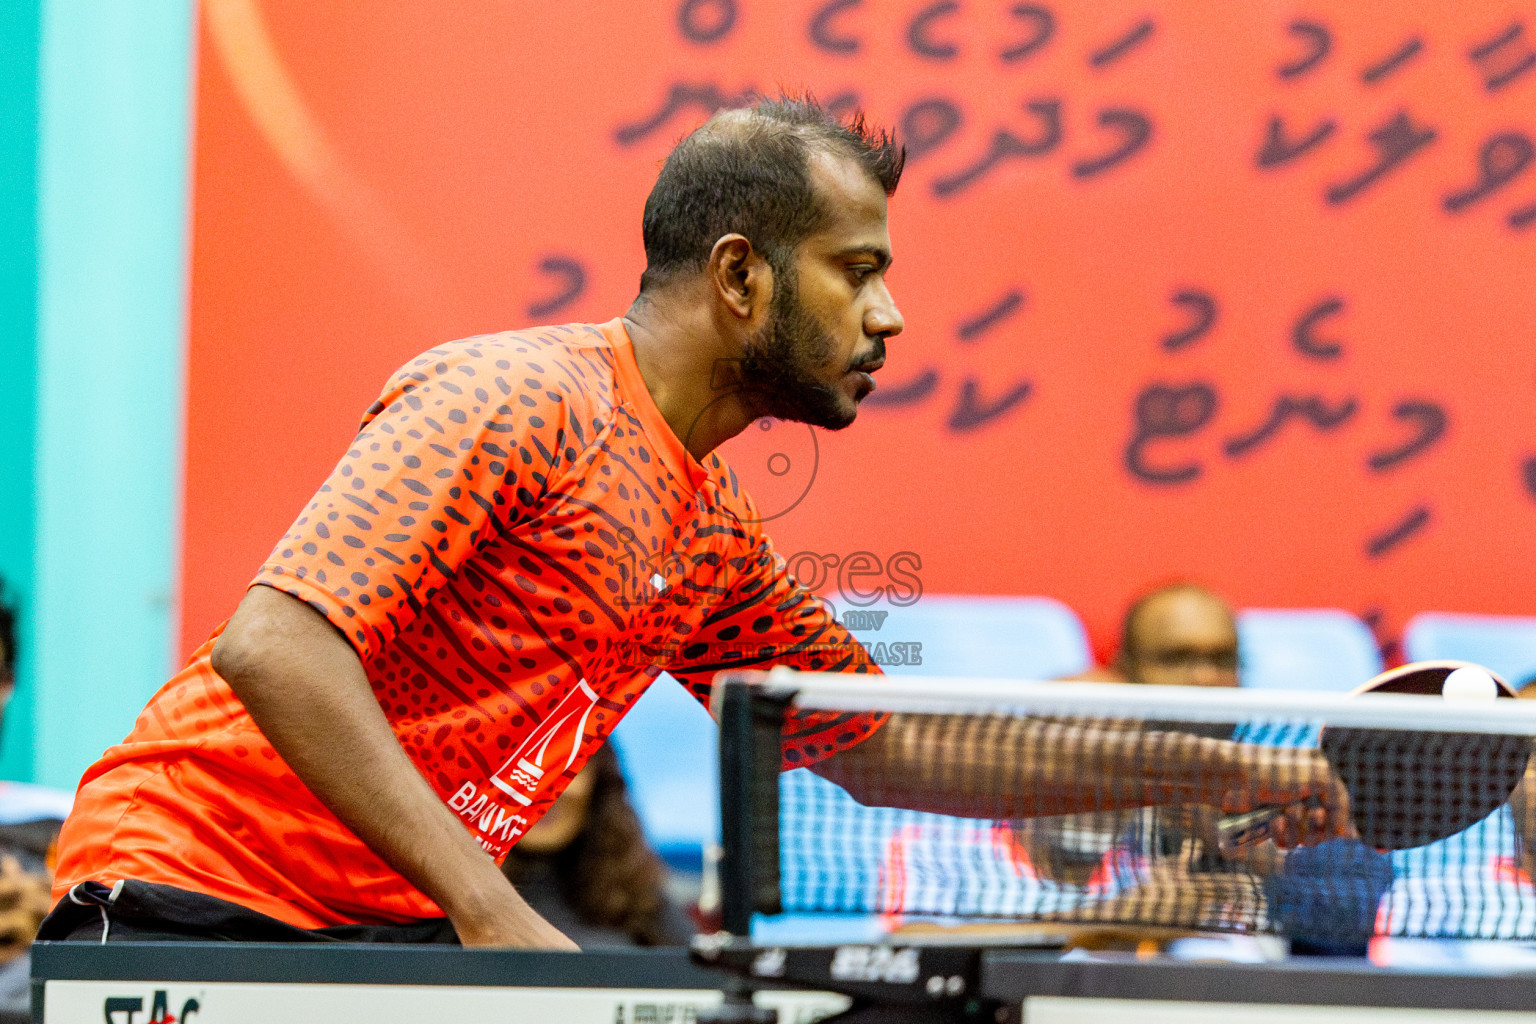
[516, 545]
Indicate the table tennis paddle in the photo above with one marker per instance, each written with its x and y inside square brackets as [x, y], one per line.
[1406, 788]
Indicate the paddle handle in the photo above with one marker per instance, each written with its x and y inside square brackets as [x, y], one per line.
[1238, 831]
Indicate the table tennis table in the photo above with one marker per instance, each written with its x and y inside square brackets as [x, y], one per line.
[981, 964]
[227, 983]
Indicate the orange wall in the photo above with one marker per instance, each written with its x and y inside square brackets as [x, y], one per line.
[375, 179]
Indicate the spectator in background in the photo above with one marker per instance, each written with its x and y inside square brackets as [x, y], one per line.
[1177, 635]
[586, 868]
[26, 829]
[29, 822]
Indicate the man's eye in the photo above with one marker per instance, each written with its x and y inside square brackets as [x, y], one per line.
[861, 271]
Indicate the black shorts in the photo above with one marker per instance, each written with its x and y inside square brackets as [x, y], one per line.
[133, 911]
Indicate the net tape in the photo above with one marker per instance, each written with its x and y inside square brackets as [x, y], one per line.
[1405, 758]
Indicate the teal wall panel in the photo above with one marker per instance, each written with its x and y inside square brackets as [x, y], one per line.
[113, 158]
[18, 336]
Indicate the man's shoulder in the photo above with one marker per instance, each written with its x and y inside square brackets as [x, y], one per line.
[513, 372]
[565, 351]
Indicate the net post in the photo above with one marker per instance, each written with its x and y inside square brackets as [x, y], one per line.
[751, 738]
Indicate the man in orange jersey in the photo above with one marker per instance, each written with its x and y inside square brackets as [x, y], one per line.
[529, 528]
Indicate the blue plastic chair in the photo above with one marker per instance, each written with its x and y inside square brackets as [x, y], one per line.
[988, 637]
[668, 744]
[1506, 644]
[1305, 649]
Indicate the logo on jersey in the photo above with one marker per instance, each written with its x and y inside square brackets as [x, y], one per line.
[553, 746]
[544, 755]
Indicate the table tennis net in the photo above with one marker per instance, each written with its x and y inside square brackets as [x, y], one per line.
[1440, 839]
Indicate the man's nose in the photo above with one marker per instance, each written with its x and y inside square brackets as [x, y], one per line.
[883, 319]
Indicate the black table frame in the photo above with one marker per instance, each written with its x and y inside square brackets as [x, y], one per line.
[998, 977]
[360, 964]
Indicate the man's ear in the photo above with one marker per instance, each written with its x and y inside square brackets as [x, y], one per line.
[740, 275]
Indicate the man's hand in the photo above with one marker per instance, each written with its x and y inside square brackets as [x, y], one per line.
[306, 689]
[1315, 801]
[525, 930]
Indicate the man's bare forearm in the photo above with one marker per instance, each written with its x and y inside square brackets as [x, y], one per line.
[1001, 766]
[306, 690]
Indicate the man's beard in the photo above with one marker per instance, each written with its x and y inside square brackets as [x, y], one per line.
[778, 371]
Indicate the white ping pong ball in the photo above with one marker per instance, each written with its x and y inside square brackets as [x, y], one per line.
[1469, 683]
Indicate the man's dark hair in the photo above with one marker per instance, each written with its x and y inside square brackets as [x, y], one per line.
[748, 171]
